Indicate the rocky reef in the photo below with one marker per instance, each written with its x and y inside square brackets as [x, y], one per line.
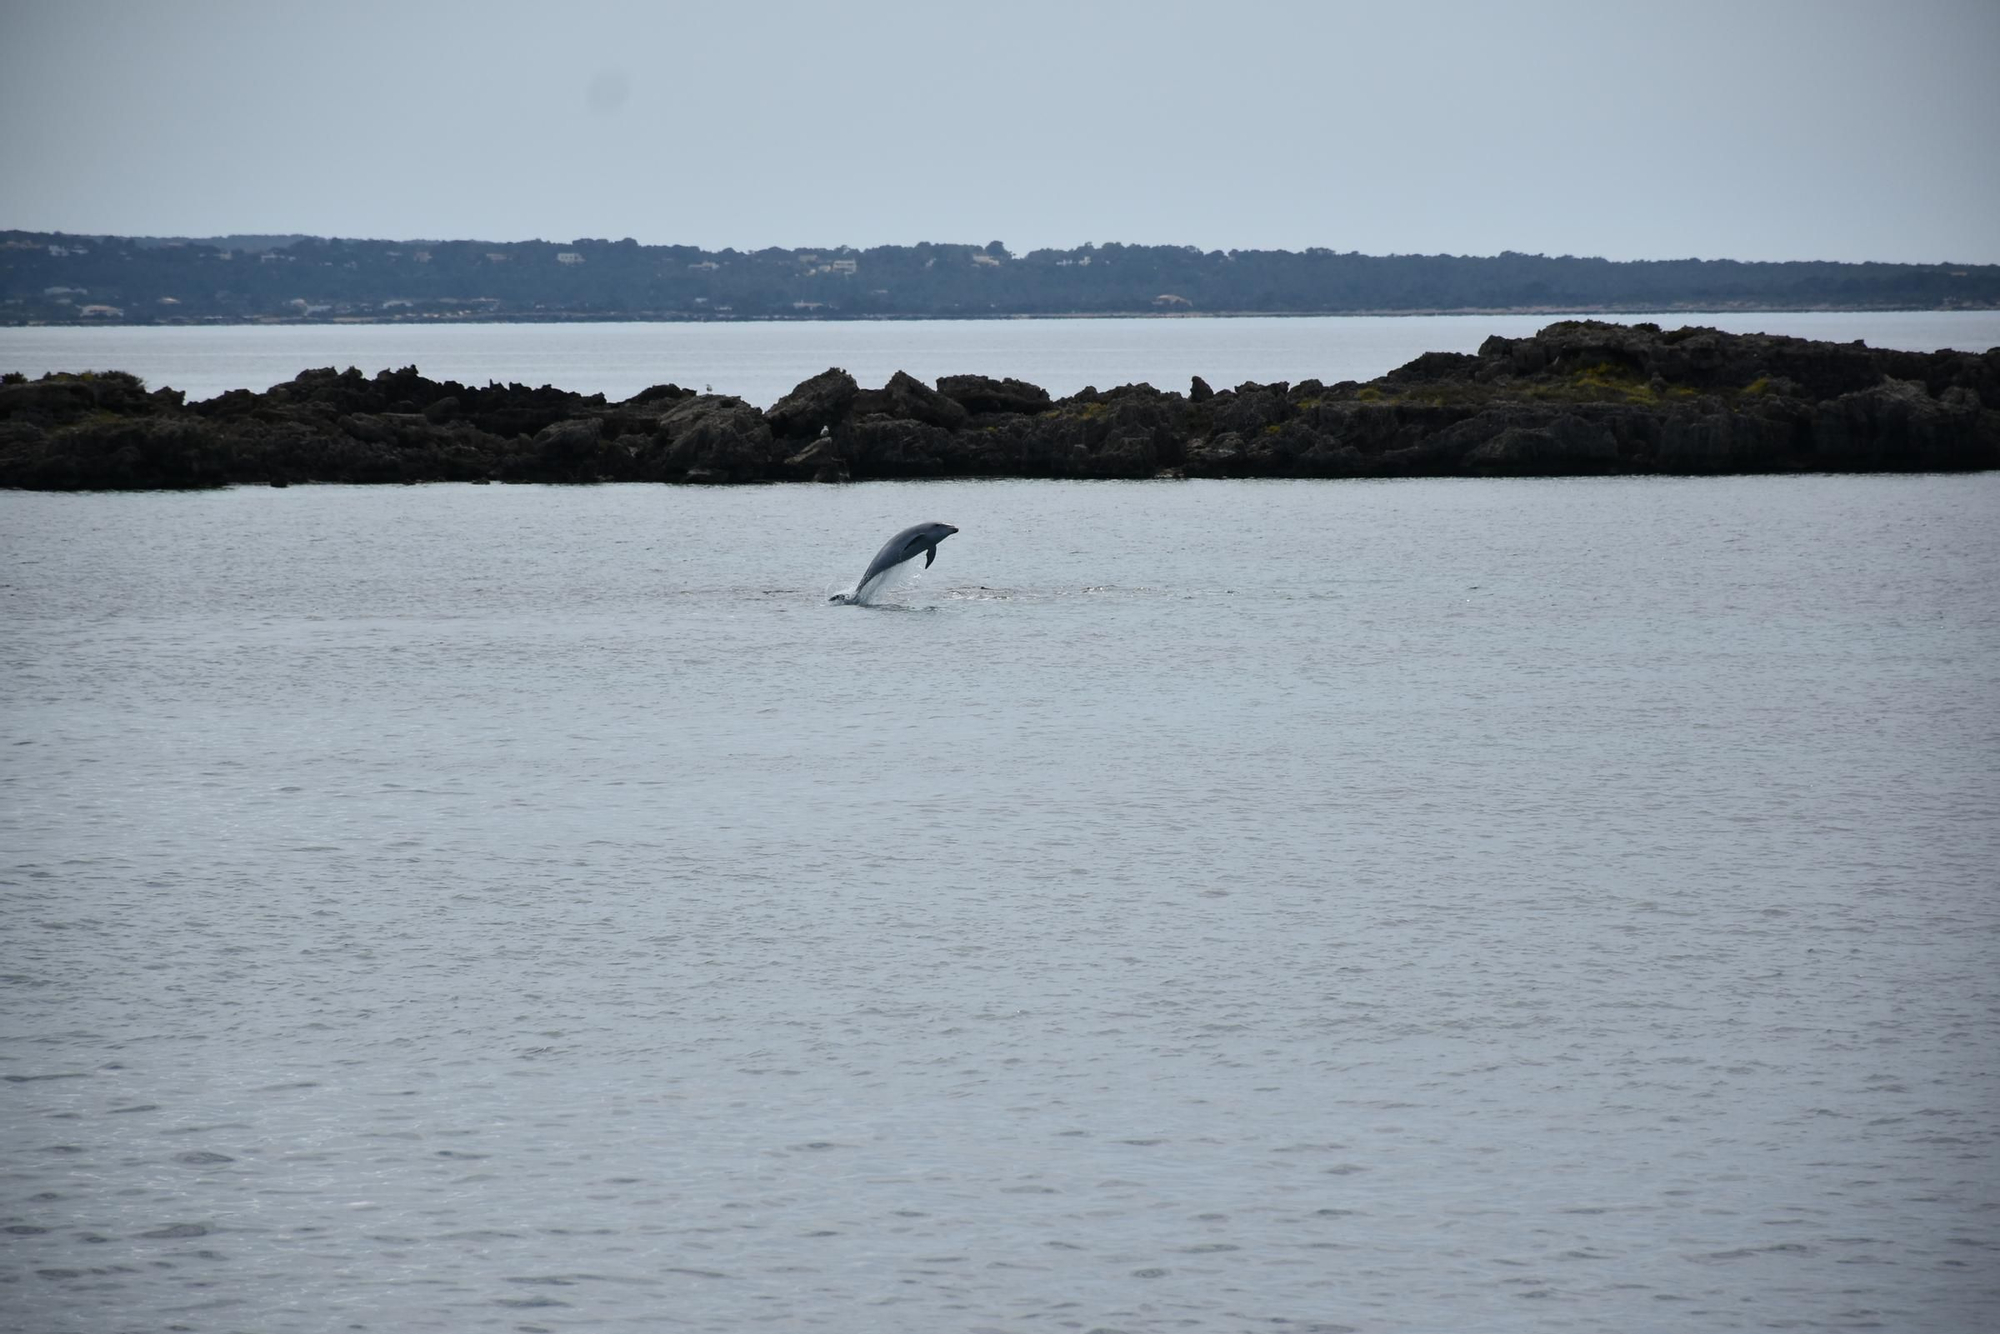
[1578, 398]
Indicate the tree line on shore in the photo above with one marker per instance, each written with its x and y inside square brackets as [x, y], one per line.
[60, 277]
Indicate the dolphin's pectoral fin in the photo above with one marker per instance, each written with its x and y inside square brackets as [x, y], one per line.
[929, 555]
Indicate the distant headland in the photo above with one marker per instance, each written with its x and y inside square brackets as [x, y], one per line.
[1579, 398]
[61, 278]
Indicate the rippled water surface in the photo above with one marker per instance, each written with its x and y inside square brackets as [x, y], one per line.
[1200, 906]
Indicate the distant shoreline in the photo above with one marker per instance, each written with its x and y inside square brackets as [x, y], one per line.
[61, 278]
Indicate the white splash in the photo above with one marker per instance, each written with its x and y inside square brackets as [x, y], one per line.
[899, 578]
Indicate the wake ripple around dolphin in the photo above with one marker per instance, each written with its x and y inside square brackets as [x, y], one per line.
[896, 579]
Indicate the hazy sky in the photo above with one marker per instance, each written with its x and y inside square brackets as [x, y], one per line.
[1752, 129]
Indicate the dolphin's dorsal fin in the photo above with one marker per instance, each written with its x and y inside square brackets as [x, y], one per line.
[929, 556]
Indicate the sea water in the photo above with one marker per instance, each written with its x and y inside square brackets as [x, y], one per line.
[761, 361]
[1282, 906]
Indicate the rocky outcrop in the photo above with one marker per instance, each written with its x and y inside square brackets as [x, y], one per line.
[979, 395]
[710, 438]
[814, 406]
[1580, 397]
[910, 399]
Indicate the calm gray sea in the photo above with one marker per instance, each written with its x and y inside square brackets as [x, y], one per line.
[1417, 906]
[762, 361]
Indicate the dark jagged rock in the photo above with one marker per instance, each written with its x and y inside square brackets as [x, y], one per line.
[1431, 368]
[911, 399]
[663, 394]
[1248, 409]
[977, 394]
[820, 461]
[124, 453]
[1580, 397]
[1899, 424]
[1131, 431]
[711, 438]
[60, 400]
[1569, 443]
[814, 406]
[882, 446]
[572, 451]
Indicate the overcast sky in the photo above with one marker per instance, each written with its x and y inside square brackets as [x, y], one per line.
[1752, 129]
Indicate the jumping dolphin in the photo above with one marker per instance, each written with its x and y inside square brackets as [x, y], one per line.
[922, 537]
